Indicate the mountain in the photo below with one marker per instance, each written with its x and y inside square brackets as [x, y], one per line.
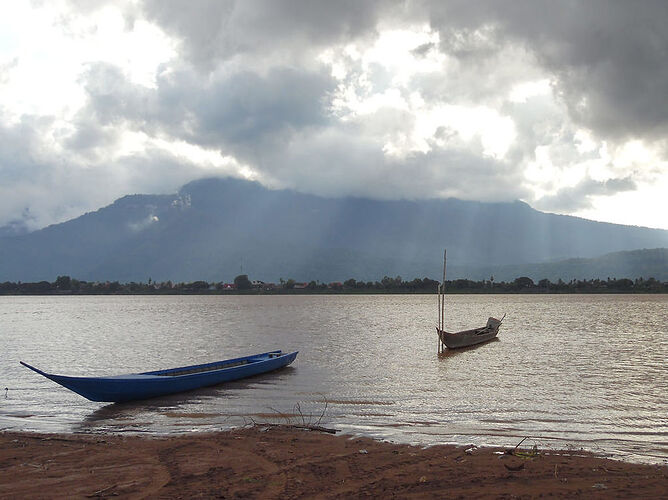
[652, 263]
[215, 229]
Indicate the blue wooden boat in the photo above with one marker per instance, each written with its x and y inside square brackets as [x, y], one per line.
[119, 388]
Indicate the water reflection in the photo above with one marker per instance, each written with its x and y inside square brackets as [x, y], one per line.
[451, 353]
[183, 408]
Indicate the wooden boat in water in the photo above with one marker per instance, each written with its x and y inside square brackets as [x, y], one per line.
[470, 337]
[464, 338]
[119, 388]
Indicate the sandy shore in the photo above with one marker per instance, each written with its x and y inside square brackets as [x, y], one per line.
[278, 462]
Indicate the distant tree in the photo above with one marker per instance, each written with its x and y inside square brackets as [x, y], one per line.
[544, 283]
[623, 284]
[463, 284]
[63, 283]
[524, 282]
[242, 282]
[389, 283]
[39, 287]
[8, 286]
[429, 284]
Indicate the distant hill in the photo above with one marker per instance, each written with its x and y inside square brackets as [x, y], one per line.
[630, 264]
[214, 229]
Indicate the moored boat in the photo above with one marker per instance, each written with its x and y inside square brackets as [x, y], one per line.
[464, 338]
[470, 337]
[134, 386]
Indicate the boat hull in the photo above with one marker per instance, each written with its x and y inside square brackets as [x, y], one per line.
[131, 387]
[466, 338]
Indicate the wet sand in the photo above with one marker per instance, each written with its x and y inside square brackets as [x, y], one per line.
[283, 462]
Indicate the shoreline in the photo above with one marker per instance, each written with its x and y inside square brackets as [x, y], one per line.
[304, 292]
[275, 461]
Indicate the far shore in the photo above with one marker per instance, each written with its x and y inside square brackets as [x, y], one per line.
[499, 291]
[64, 285]
[286, 462]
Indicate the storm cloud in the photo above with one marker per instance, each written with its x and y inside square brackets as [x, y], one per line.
[560, 104]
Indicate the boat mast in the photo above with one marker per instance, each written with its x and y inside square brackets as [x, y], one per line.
[443, 292]
[438, 296]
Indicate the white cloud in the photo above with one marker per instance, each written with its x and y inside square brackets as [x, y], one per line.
[521, 92]
[52, 44]
[649, 199]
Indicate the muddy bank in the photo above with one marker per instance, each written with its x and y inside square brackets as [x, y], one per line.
[278, 462]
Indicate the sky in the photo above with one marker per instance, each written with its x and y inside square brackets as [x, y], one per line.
[562, 105]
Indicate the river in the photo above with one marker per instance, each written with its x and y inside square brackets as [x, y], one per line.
[567, 371]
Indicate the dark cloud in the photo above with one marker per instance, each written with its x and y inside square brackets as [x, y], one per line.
[40, 185]
[215, 30]
[238, 113]
[279, 124]
[113, 99]
[424, 49]
[247, 109]
[343, 161]
[29, 180]
[579, 196]
[91, 139]
[247, 82]
[607, 57]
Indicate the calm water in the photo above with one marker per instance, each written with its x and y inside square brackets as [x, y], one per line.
[568, 371]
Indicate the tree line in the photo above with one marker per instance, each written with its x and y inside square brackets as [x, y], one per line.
[242, 284]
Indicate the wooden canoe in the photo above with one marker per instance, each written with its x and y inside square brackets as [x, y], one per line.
[119, 388]
[470, 337]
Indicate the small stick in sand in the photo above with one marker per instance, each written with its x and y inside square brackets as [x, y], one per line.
[100, 492]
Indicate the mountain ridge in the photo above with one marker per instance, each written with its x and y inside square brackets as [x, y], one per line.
[215, 229]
